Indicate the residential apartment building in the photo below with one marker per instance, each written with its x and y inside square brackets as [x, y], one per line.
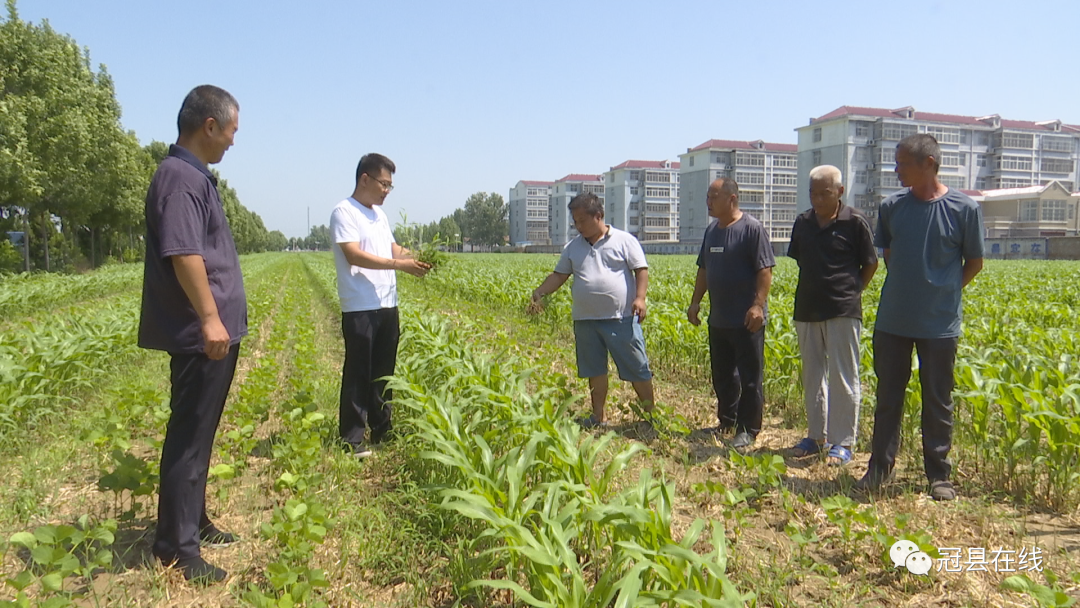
[1034, 211]
[642, 198]
[529, 213]
[562, 190]
[977, 153]
[767, 175]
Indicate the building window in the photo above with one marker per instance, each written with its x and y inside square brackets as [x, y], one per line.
[722, 158]
[1016, 140]
[1056, 165]
[888, 180]
[634, 191]
[658, 221]
[982, 138]
[952, 159]
[591, 188]
[980, 160]
[785, 179]
[980, 183]
[743, 177]
[944, 135]
[817, 134]
[953, 181]
[862, 155]
[1058, 144]
[658, 177]
[752, 197]
[783, 198]
[887, 155]
[815, 158]
[749, 160]
[1012, 182]
[657, 208]
[860, 177]
[691, 161]
[1053, 211]
[633, 206]
[862, 200]
[1029, 211]
[862, 129]
[779, 233]
[783, 215]
[755, 213]
[1013, 163]
[895, 131]
[785, 162]
[657, 192]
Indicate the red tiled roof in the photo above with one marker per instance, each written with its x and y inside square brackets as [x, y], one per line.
[934, 117]
[532, 183]
[579, 177]
[644, 164]
[745, 145]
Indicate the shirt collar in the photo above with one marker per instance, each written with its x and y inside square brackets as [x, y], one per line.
[185, 155]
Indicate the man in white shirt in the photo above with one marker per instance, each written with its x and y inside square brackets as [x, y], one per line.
[367, 259]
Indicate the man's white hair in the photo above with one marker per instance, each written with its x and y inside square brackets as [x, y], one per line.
[827, 173]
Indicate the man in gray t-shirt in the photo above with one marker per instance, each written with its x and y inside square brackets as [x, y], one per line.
[610, 280]
[932, 237]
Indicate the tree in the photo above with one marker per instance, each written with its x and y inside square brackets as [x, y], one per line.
[483, 220]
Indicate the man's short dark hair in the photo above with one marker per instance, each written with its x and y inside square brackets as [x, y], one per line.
[922, 146]
[206, 101]
[374, 163]
[587, 202]
[729, 186]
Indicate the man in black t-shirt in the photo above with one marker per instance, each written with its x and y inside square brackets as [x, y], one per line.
[735, 267]
[835, 251]
[194, 308]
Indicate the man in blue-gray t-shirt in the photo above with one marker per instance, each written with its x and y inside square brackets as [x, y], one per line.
[932, 237]
[610, 281]
[735, 267]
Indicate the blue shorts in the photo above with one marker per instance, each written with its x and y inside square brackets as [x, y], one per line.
[620, 337]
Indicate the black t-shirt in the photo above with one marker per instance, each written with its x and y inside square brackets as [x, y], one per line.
[732, 257]
[184, 216]
[830, 260]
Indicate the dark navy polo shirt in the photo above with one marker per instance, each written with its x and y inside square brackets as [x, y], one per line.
[732, 257]
[184, 216]
[830, 261]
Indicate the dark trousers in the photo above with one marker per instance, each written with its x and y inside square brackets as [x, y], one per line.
[199, 389]
[892, 364]
[371, 343]
[738, 361]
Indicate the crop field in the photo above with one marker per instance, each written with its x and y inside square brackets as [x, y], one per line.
[491, 496]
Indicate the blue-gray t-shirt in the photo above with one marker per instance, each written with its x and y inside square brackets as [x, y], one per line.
[732, 257]
[184, 216]
[928, 242]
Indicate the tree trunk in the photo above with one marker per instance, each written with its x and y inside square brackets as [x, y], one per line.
[45, 233]
[26, 239]
[93, 250]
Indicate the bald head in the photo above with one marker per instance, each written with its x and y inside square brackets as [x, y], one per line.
[828, 175]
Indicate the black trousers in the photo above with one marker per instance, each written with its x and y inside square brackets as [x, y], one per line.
[199, 388]
[892, 364]
[371, 343]
[738, 361]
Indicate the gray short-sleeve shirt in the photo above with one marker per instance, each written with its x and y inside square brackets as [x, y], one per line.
[604, 282]
[928, 242]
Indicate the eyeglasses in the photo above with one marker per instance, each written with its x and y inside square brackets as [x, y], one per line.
[388, 186]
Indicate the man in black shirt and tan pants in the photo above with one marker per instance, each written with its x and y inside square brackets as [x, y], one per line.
[835, 251]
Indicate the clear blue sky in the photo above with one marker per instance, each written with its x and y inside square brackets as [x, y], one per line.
[473, 96]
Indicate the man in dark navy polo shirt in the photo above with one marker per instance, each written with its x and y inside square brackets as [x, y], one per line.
[193, 308]
[735, 267]
[835, 251]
